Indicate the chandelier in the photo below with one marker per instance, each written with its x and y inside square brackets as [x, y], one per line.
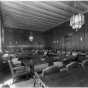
[77, 21]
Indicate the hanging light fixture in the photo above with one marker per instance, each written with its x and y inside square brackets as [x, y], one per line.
[77, 21]
[31, 37]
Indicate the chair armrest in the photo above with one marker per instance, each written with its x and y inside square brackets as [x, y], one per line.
[20, 67]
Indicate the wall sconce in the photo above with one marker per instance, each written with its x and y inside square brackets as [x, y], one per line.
[31, 37]
[81, 39]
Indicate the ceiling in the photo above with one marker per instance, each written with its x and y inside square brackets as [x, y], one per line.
[41, 15]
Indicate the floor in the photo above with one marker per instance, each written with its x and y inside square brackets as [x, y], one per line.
[74, 78]
[24, 84]
[21, 82]
[4, 74]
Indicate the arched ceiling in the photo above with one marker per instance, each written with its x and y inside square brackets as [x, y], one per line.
[41, 15]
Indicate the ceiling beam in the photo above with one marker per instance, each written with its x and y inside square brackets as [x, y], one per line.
[14, 13]
[60, 10]
[17, 28]
[63, 4]
[10, 11]
[36, 22]
[43, 8]
[34, 9]
[51, 8]
[84, 5]
[31, 14]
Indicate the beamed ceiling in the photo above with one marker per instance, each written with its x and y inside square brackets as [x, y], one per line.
[41, 15]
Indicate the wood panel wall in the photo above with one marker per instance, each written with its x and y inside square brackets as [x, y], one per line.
[18, 37]
[0, 34]
[64, 37]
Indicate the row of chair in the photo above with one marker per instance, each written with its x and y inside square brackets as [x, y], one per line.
[79, 62]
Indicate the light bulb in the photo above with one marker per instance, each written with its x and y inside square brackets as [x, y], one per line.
[81, 38]
[31, 38]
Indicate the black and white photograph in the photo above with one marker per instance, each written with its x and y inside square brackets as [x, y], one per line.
[43, 43]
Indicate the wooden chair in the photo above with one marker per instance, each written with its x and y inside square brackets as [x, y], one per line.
[85, 64]
[17, 68]
[74, 67]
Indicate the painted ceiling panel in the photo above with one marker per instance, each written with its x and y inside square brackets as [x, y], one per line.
[39, 16]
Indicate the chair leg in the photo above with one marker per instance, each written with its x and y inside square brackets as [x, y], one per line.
[83, 67]
[34, 84]
[14, 80]
[34, 81]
